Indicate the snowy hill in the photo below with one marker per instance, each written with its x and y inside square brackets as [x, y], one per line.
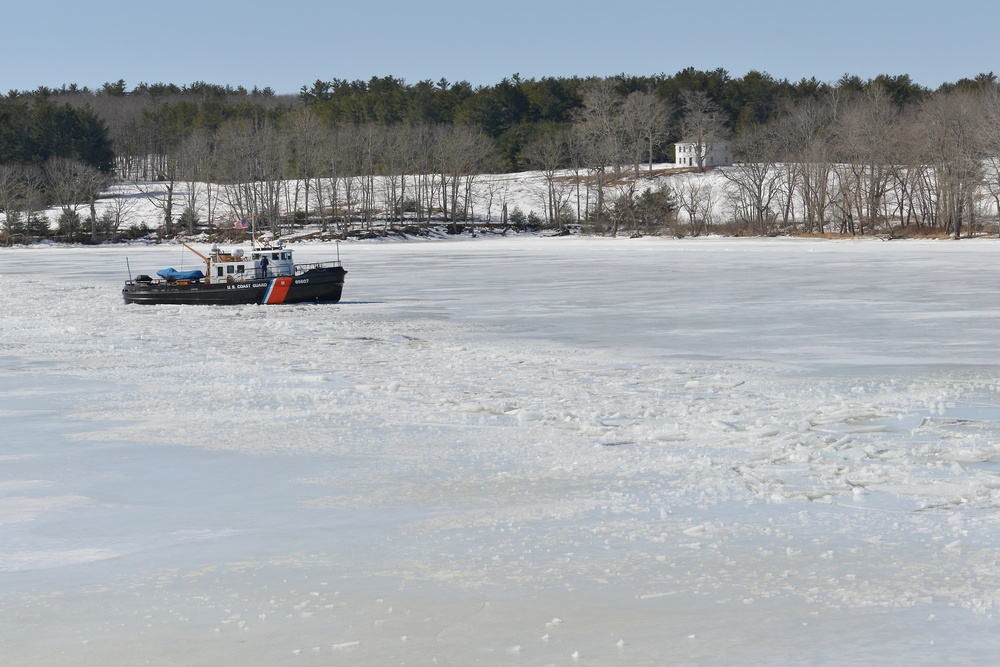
[527, 194]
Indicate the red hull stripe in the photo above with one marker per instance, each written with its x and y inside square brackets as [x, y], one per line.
[278, 290]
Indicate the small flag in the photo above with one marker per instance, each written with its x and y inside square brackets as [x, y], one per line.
[242, 224]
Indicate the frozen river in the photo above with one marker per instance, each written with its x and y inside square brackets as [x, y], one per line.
[519, 451]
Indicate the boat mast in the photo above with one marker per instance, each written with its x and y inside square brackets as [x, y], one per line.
[208, 262]
[195, 252]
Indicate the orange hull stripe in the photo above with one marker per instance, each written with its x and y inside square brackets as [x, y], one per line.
[278, 290]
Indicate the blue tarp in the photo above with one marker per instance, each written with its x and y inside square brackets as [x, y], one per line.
[174, 274]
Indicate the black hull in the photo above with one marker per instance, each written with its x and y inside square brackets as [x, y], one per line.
[314, 286]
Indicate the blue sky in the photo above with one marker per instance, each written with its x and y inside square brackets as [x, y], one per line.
[285, 44]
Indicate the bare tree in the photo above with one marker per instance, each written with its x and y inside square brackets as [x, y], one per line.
[548, 154]
[694, 197]
[805, 128]
[576, 153]
[425, 149]
[754, 178]
[703, 123]
[908, 173]
[991, 147]
[322, 180]
[95, 181]
[336, 166]
[35, 201]
[73, 184]
[251, 156]
[367, 148]
[624, 211]
[119, 212]
[866, 136]
[598, 125]
[953, 127]
[494, 187]
[194, 159]
[308, 141]
[160, 166]
[395, 160]
[644, 124]
[464, 152]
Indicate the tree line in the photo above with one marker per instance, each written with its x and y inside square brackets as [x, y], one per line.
[863, 163]
[851, 157]
[511, 112]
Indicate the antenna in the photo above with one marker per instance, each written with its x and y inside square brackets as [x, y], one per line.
[129, 269]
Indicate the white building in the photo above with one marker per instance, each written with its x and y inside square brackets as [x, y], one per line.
[714, 154]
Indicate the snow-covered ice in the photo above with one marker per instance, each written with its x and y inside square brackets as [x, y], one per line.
[508, 451]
